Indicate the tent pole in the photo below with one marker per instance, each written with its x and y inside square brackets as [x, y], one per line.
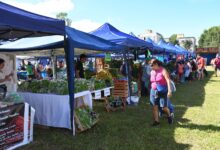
[127, 73]
[54, 60]
[69, 54]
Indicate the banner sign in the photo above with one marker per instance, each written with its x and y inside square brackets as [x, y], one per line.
[208, 50]
[11, 124]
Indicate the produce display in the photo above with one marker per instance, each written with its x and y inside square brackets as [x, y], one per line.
[89, 74]
[59, 87]
[85, 118]
[82, 85]
[114, 72]
[104, 75]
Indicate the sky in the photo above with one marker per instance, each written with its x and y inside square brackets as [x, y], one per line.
[190, 17]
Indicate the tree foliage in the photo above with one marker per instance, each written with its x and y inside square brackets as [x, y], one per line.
[173, 39]
[64, 16]
[210, 37]
[187, 44]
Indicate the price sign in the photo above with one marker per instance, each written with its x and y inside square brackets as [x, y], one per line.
[107, 92]
[98, 95]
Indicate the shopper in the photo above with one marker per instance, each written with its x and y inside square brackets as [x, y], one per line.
[30, 71]
[180, 70]
[160, 90]
[3, 78]
[217, 65]
[201, 67]
[79, 66]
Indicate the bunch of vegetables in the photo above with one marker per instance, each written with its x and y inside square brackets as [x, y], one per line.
[82, 85]
[89, 74]
[114, 72]
[86, 117]
[104, 75]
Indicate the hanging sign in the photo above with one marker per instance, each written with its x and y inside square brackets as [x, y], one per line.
[108, 57]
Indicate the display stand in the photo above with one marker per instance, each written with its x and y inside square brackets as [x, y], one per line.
[121, 90]
[80, 103]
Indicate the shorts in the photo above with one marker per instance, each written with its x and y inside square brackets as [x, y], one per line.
[161, 100]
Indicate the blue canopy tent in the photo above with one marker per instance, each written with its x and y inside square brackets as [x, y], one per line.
[167, 48]
[184, 51]
[110, 33]
[16, 23]
[178, 51]
[156, 47]
[91, 42]
[31, 44]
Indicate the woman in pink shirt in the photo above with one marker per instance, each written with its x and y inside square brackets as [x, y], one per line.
[160, 90]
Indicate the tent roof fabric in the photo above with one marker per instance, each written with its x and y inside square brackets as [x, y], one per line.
[108, 32]
[30, 44]
[167, 48]
[78, 38]
[84, 40]
[156, 47]
[17, 23]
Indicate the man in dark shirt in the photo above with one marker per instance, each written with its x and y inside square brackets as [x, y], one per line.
[79, 66]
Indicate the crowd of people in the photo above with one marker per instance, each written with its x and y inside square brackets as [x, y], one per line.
[39, 71]
[159, 79]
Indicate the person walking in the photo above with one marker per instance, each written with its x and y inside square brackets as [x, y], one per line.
[217, 65]
[160, 91]
[201, 67]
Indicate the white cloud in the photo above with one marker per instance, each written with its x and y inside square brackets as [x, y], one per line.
[44, 7]
[85, 25]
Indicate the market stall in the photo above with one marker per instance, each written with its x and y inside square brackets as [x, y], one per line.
[80, 40]
[16, 119]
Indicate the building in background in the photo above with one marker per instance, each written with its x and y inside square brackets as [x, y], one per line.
[156, 37]
[182, 39]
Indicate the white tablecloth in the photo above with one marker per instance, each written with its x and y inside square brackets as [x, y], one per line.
[53, 110]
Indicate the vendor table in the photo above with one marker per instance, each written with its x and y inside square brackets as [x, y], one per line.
[54, 110]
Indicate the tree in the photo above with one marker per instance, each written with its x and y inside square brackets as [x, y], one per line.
[210, 37]
[187, 44]
[173, 39]
[64, 16]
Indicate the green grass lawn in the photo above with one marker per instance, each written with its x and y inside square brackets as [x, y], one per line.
[196, 126]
